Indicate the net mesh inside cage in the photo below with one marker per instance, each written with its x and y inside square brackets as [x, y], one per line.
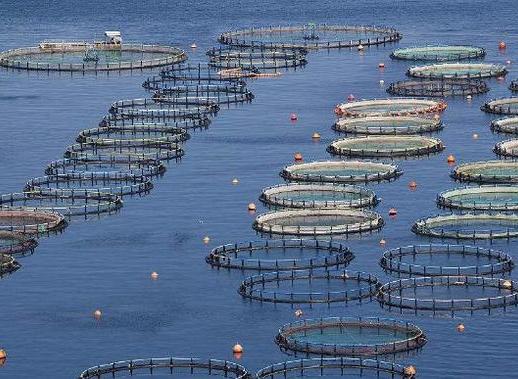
[439, 53]
[336, 367]
[320, 196]
[30, 221]
[458, 71]
[505, 125]
[445, 260]
[487, 172]
[469, 226]
[340, 172]
[485, 198]
[218, 93]
[448, 293]
[280, 255]
[310, 287]
[310, 36]
[438, 88]
[142, 133]
[389, 107]
[385, 146]
[316, 222]
[387, 125]
[353, 337]
[179, 367]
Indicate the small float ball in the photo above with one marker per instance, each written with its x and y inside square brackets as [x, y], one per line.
[293, 117]
[350, 97]
[469, 97]
[502, 45]
[154, 275]
[475, 136]
[194, 46]
[360, 47]
[315, 136]
[507, 284]
[410, 371]
[299, 313]
[206, 240]
[3, 354]
[412, 185]
[235, 181]
[392, 212]
[252, 207]
[450, 159]
[508, 62]
[298, 157]
[237, 349]
[382, 242]
[460, 328]
[381, 65]
[97, 314]
[382, 82]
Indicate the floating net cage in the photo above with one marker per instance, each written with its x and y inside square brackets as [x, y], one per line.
[505, 125]
[225, 93]
[99, 163]
[320, 196]
[199, 74]
[334, 368]
[390, 107]
[31, 221]
[458, 71]
[449, 293]
[176, 108]
[181, 367]
[16, 243]
[439, 53]
[116, 183]
[341, 172]
[280, 255]
[256, 59]
[505, 106]
[514, 85]
[8, 264]
[311, 36]
[385, 146]
[508, 149]
[67, 202]
[133, 132]
[469, 226]
[483, 198]
[318, 222]
[446, 260]
[438, 88]
[143, 149]
[201, 122]
[347, 336]
[487, 172]
[310, 287]
[82, 56]
[388, 125]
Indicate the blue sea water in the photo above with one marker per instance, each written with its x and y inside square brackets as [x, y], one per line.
[193, 310]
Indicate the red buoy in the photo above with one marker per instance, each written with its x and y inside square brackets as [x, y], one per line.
[392, 212]
[502, 45]
[351, 97]
[298, 157]
[293, 117]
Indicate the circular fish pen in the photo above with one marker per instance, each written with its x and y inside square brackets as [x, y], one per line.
[182, 367]
[494, 172]
[175, 108]
[114, 163]
[334, 367]
[280, 255]
[483, 198]
[505, 125]
[387, 125]
[8, 264]
[318, 196]
[83, 56]
[347, 336]
[445, 260]
[505, 106]
[438, 88]
[514, 85]
[31, 221]
[318, 222]
[225, 93]
[340, 172]
[449, 293]
[116, 183]
[67, 202]
[385, 146]
[311, 36]
[132, 133]
[458, 71]
[16, 243]
[390, 107]
[139, 149]
[201, 122]
[468, 226]
[310, 287]
[507, 148]
[199, 74]
[439, 53]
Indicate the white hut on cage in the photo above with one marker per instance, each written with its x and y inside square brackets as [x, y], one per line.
[113, 37]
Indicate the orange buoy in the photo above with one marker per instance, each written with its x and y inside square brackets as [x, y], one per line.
[293, 117]
[252, 207]
[507, 284]
[475, 135]
[460, 328]
[502, 45]
[299, 313]
[351, 97]
[194, 46]
[235, 181]
[238, 356]
[410, 371]
[382, 242]
[315, 136]
[154, 275]
[392, 212]
[381, 65]
[298, 157]
[412, 185]
[451, 159]
[3, 354]
[97, 314]
[206, 240]
[237, 349]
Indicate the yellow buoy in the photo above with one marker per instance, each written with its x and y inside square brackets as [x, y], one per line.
[460, 328]
[410, 371]
[237, 349]
[97, 314]
[154, 275]
[507, 284]
[206, 240]
[252, 207]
